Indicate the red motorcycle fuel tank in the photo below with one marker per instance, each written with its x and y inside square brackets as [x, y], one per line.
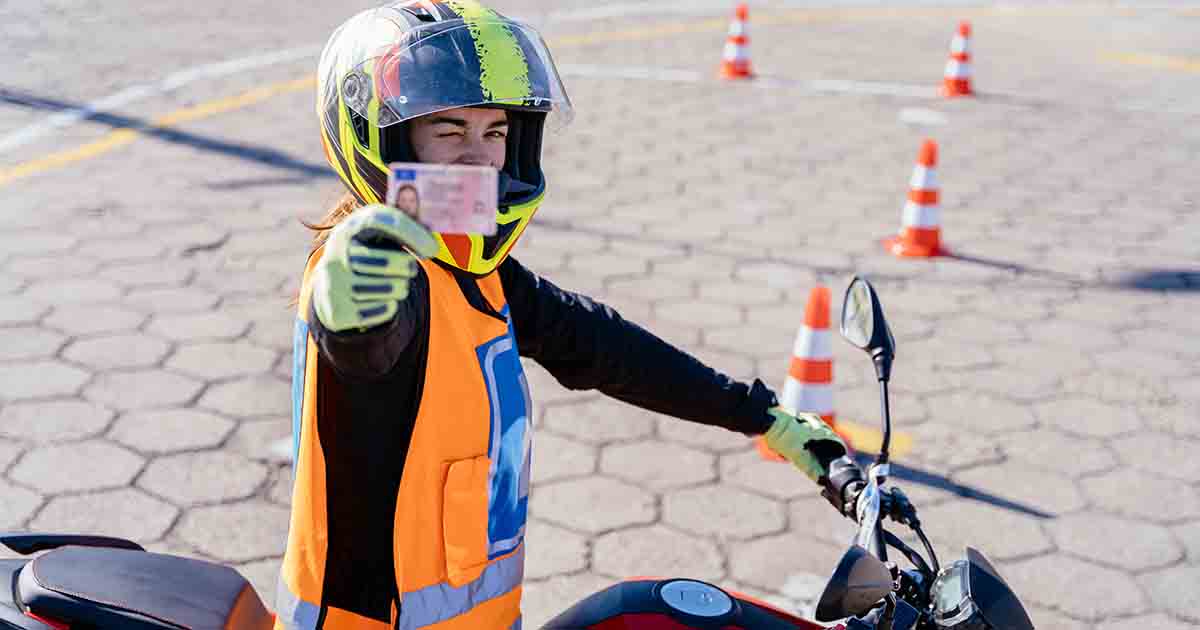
[674, 604]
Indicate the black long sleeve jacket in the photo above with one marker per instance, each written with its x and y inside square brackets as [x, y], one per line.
[582, 343]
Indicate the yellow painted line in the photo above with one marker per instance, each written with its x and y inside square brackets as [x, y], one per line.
[865, 439]
[1165, 62]
[121, 137]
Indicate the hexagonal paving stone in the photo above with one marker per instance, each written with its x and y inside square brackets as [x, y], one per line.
[722, 511]
[92, 465]
[199, 326]
[149, 274]
[1089, 417]
[599, 421]
[1128, 388]
[943, 448]
[1081, 590]
[702, 436]
[72, 291]
[950, 354]
[93, 319]
[552, 551]
[593, 504]
[769, 562]
[125, 249]
[142, 389]
[140, 517]
[221, 360]
[268, 440]
[28, 342]
[1117, 542]
[1042, 491]
[972, 329]
[557, 457]
[1175, 590]
[9, 451]
[118, 351]
[51, 421]
[748, 470]
[169, 430]
[657, 465]
[543, 599]
[815, 517]
[1044, 618]
[236, 532]
[1072, 335]
[656, 550]
[1139, 495]
[1162, 454]
[39, 379]
[206, 477]
[1049, 449]
[1189, 535]
[20, 310]
[249, 397]
[19, 504]
[171, 300]
[1139, 361]
[980, 414]
[1148, 622]
[697, 314]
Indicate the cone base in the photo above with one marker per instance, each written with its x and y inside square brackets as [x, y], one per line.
[898, 247]
[956, 89]
[735, 73]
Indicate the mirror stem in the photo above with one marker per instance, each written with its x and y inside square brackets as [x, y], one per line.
[887, 424]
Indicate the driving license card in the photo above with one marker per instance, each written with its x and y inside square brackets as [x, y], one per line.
[446, 198]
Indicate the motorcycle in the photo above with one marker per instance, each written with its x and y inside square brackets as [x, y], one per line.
[98, 582]
[866, 590]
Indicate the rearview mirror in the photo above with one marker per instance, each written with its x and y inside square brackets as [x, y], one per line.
[858, 583]
[865, 327]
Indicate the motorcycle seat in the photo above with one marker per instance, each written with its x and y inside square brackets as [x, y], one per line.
[118, 588]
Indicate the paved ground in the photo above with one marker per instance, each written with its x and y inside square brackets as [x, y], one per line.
[1047, 375]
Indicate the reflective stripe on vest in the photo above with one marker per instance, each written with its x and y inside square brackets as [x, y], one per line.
[293, 613]
[439, 602]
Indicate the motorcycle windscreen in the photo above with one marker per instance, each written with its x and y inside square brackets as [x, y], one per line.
[996, 601]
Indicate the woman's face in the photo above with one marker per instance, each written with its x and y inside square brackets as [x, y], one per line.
[406, 199]
[466, 135]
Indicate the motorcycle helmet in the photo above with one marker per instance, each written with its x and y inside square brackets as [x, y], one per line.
[386, 66]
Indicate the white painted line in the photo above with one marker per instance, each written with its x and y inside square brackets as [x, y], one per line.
[922, 116]
[645, 73]
[143, 91]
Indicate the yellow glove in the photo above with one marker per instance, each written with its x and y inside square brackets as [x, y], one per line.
[805, 440]
[357, 285]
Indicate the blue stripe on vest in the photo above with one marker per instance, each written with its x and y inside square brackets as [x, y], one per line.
[299, 369]
[508, 442]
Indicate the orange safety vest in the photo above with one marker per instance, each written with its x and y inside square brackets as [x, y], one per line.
[458, 548]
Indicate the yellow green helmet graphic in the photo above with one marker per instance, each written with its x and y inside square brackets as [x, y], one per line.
[386, 66]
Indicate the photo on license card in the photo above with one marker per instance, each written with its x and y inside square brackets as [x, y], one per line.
[446, 198]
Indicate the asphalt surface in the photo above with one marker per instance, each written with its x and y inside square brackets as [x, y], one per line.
[1046, 380]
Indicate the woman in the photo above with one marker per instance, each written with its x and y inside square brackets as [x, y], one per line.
[412, 424]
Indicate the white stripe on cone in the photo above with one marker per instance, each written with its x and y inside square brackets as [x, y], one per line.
[814, 398]
[813, 344]
[956, 69]
[960, 45]
[737, 27]
[919, 216]
[923, 178]
[733, 52]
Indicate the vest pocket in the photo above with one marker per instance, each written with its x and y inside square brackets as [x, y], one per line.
[465, 519]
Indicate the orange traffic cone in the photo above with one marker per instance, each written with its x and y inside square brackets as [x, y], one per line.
[809, 384]
[921, 233]
[957, 78]
[736, 61]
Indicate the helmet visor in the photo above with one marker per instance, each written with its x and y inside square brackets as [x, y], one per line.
[453, 63]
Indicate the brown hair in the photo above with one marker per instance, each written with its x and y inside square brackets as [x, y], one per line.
[340, 210]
